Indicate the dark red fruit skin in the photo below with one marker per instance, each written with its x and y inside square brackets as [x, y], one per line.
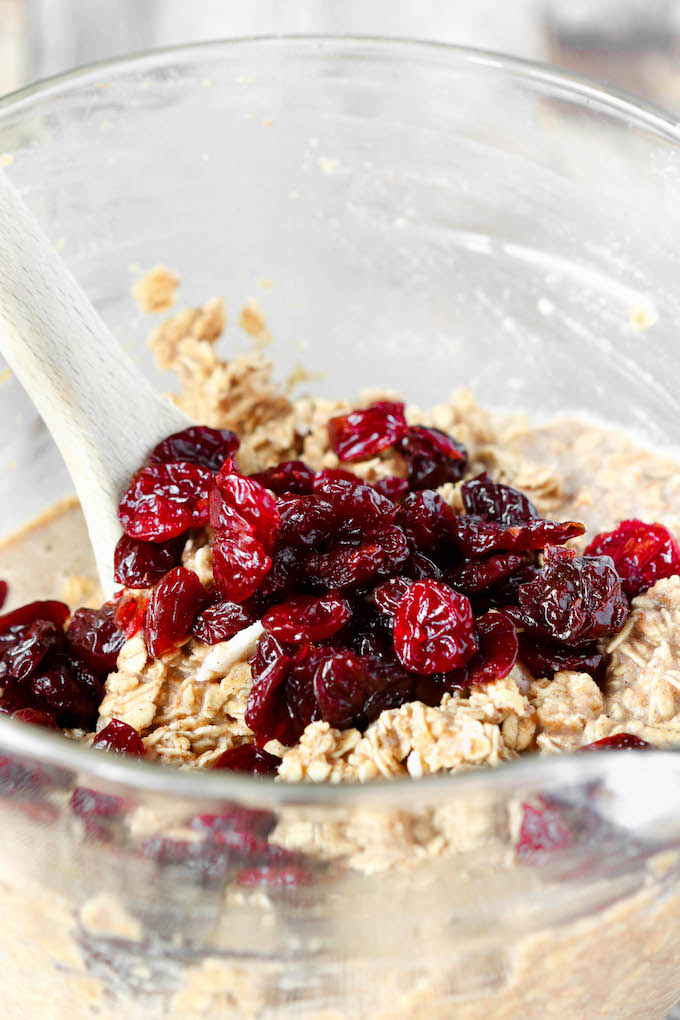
[474, 576]
[292, 476]
[386, 597]
[199, 444]
[542, 832]
[163, 500]
[575, 599]
[30, 715]
[142, 564]
[32, 645]
[244, 505]
[352, 690]
[476, 537]
[642, 554]
[240, 565]
[335, 475]
[391, 486]
[617, 742]
[221, 621]
[266, 711]
[4, 588]
[433, 629]
[433, 458]
[354, 505]
[493, 501]
[93, 636]
[364, 433]
[61, 686]
[248, 759]
[54, 612]
[497, 652]
[173, 606]
[120, 738]
[346, 566]
[428, 523]
[129, 614]
[545, 658]
[307, 617]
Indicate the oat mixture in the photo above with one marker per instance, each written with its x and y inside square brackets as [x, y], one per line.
[188, 699]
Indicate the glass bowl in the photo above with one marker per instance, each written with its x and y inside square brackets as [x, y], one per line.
[429, 217]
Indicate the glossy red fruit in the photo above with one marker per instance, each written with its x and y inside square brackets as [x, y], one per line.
[306, 522]
[352, 690]
[199, 444]
[542, 831]
[432, 457]
[174, 604]
[575, 599]
[617, 742]
[391, 486]
[474, 576]
[386, 597]
[239, 565]
[428, 522]
[642, 554]
[266, 710]
[119, 737]
[142, 564]
[129, 614]
[545, 658]
[346, 566]
[221, 621]
[163, 500]
[35, 718]
[60, 686]
[307, 617]
[23, 658]
[290, 476]
[364, 433]
[93, 636]
[244, 501]
[335, 475]
[355, 505]
[498, 647]
[492, 501]
[249, 759]
[477, 537]
[54, 612]
[433, 629]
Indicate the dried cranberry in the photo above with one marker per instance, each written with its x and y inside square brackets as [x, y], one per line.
[474, 576]
[221, 621]
[23, 658]
[364, 433]
[31, 715]
[544, 658]
[421, 568]
[617, 742]
[266, 710]
[388, 596]
[250, 759]
[119, 737]
[199, 444]
[287, 569]
[433, 628]
[4, 588]
[300, 698]
[346, 566]
[498, 647]
[352, 690]
[94, 637]
[274, 877]
[174, 604]
[62, 687]
[391, 486]
[492, 501]
[335, 475]
[476, 537]
[307, 521]
[642, 554]
[54, 612]
[290, 476]
[575, 599]
[355, 504]
[164, 500]
[307, 618]
[242, 504]
[542, 831]
[128, 615]
[239, 566]
[142, 564]
[432, 457]
[427, 522]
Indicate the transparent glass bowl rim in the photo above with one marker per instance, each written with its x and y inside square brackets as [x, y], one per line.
[202, 784]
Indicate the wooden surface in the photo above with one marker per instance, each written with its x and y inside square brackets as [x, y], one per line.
[102, 414]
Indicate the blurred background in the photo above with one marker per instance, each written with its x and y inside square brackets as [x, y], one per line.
[632, 44]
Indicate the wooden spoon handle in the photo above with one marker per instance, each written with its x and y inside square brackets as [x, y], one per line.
[102, 413]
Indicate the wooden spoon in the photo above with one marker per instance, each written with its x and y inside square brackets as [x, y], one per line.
[103, 415]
